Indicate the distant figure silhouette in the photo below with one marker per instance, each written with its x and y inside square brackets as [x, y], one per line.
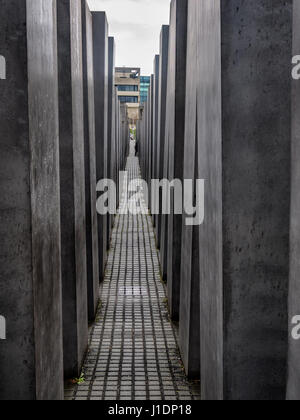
[136, 148]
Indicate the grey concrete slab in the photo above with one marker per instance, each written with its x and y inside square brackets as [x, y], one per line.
[243, 129]
[150, 133]
[189, 309]
[293, 385]
[156, 66]
[190, 278]
[141, 138]
[149, 129]
[93, 277]
[144, 143]
[118, 125]
[111, 104]
[72, 185]
[151, 138]
[100, 42]
[111, 148]
[175, 128]
[31, 357]
[162, 98]
[117, 142]
[155, 123]
[124, 135]
[164, 217]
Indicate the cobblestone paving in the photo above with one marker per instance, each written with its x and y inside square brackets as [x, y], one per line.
[133, 350]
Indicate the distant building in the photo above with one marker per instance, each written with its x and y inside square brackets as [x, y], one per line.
[144, 88]
[128, 84]
[127, 81]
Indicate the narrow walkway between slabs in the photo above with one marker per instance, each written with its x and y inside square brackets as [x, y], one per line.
[133, 351]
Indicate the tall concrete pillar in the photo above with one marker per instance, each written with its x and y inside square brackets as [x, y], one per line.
[238, 113]
[143, 154]
[155, 124]
[155, 110]
[111, 148]
[150, 131]
[31, 357]
[189, 282]
[151, 137]
[72, 185]
[92, 248]
[293, 386]
[100, 42]
[175, 125]
[162, 103]
[117, 141]
[124, 134]
[148, 135]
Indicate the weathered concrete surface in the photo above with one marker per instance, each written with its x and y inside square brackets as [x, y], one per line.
[155, 112]
[164, 217]
[100, 42]
[175, 85]
[124, 135]
[141, 138]
[151, 138]
[111, 133]
[93, 278]
[175, 133]
[189, 314]
[163, 170]
[144, 143]
[211, 334]
[293, 386]
[162, 102]
[155, 125]
[72, 185]
[244, 157]
[117, 142]
[31, 358]
[189, 309]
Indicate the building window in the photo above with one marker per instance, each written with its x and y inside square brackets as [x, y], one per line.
[129, 99]
[128, 88]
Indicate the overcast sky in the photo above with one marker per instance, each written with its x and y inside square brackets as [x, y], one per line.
[136, 26]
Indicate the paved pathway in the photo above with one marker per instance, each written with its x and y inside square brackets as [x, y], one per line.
[133, 352]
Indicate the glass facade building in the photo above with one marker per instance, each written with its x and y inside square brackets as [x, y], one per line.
[144, 87]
